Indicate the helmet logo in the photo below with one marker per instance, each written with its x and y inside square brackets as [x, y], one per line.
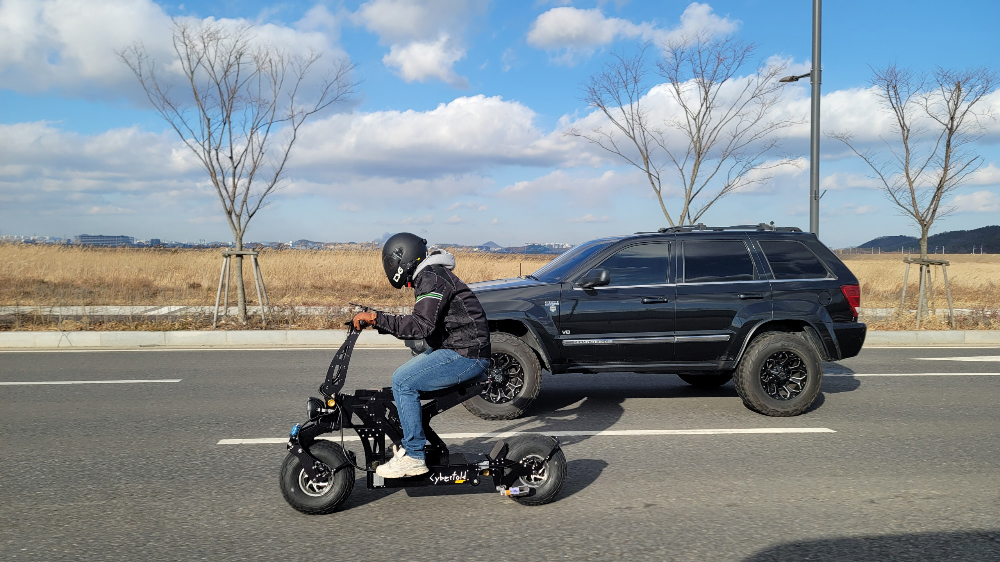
[399, 272]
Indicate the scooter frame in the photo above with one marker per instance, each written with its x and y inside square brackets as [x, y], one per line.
[373, 415]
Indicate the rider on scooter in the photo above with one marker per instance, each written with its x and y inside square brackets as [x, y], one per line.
[449, 317]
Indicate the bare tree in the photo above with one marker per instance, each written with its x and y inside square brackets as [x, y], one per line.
[936, 118]
[239, 112]
[717, 140]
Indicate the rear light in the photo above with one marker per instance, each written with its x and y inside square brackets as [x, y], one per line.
[853, 295]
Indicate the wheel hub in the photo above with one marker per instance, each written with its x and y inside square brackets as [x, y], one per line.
[783, 375]
[504, 379]
[539, 471]
[313, 488]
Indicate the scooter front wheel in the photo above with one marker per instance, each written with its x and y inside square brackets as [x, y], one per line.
[317, 497]
[546, 476]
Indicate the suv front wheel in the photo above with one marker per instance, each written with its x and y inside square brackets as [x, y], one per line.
[779, 375]
[513, 380]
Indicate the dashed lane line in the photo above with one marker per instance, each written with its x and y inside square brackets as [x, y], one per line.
[984, 358]
[911, 374]
[600, 433]
[122, 381]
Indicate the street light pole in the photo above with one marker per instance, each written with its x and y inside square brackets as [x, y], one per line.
[815, 78]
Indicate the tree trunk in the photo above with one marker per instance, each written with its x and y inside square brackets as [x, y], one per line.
[241, 294]
[923, 243]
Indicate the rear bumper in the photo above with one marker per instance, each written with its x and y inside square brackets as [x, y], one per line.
[850, 337]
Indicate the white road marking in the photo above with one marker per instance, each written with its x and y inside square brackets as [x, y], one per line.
[931, 346]
[911, 375]
[123, 381]
[600, 433]
[973, 358]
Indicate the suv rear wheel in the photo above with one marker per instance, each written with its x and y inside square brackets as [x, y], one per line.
[513, 380]
[779, 375]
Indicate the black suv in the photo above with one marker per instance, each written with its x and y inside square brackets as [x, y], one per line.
[757, 304]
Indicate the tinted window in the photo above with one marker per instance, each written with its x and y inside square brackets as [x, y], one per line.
[642, 264]
[707, 261]
[557, 269]
[792, 260]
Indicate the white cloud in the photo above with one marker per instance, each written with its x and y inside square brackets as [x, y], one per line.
[109, 210]
[426, 219]
[988, 175]
[424, 36]
[840, 180]
[71, 46]
[420, 61]
[471, 205]
[465, 135]
[977, 202]
[577, 189]
[590, 218]
[578, 33]
[454, 219]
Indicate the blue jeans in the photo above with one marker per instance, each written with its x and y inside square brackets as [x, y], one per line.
[433, 369]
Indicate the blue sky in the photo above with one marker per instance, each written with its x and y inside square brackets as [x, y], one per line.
[456, 131]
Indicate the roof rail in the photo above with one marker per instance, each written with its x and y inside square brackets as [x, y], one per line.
[700, 227]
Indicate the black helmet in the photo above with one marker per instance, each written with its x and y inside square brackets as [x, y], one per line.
[400, 256]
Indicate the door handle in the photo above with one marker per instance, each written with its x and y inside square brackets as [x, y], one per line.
[654, 300]
[746, 296]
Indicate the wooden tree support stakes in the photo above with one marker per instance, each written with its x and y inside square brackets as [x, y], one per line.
[258, 279]
[925, 290]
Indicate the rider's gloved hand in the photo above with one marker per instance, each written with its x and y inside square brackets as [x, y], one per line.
[368, 317]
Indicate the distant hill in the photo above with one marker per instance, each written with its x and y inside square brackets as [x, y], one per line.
[986, 239]
[491, 245]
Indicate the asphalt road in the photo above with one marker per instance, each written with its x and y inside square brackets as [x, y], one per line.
[136, 471]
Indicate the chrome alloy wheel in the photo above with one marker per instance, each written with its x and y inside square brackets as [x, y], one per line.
[539, 471]
[783, 375]
[311, 488]
[505, 379]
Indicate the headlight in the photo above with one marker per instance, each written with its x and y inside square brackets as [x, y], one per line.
[315, 407]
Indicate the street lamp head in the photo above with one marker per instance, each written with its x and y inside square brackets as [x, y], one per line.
[795, 78]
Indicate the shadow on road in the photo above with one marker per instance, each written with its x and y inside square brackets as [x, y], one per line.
[837, 378]
[972, 546]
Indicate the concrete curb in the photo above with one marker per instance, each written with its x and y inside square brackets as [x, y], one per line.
[368, 339]
[234, 338]
[933, 337]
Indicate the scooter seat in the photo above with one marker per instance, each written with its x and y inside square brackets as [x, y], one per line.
[459, 388]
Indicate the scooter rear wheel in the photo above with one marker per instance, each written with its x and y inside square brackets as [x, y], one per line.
[546, 476]
[317, 498]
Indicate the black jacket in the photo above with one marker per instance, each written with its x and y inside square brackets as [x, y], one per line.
[446, 314]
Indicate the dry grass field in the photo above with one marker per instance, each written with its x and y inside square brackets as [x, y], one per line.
[72, 276]
[974, 280]
[33, 275]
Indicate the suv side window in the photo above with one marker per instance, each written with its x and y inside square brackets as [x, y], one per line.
[791, 259]
[641, 264]
[710, 261]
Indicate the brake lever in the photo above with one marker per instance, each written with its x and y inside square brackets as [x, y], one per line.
[364, 308]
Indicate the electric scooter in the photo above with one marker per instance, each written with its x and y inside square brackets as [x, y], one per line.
[318, 475]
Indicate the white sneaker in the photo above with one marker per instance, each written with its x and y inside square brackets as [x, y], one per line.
[401, 465]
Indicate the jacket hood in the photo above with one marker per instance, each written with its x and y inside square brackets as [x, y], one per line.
[436, 257]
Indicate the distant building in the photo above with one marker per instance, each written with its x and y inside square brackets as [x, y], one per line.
[154, 242]
[102, 240]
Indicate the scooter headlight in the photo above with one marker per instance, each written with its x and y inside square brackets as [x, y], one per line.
[315, 407]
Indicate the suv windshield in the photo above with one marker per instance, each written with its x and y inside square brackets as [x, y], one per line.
[557, 269]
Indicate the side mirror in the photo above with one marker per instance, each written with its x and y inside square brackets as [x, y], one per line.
[594, 278]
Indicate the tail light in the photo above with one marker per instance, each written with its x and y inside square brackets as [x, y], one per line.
[853, 295]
